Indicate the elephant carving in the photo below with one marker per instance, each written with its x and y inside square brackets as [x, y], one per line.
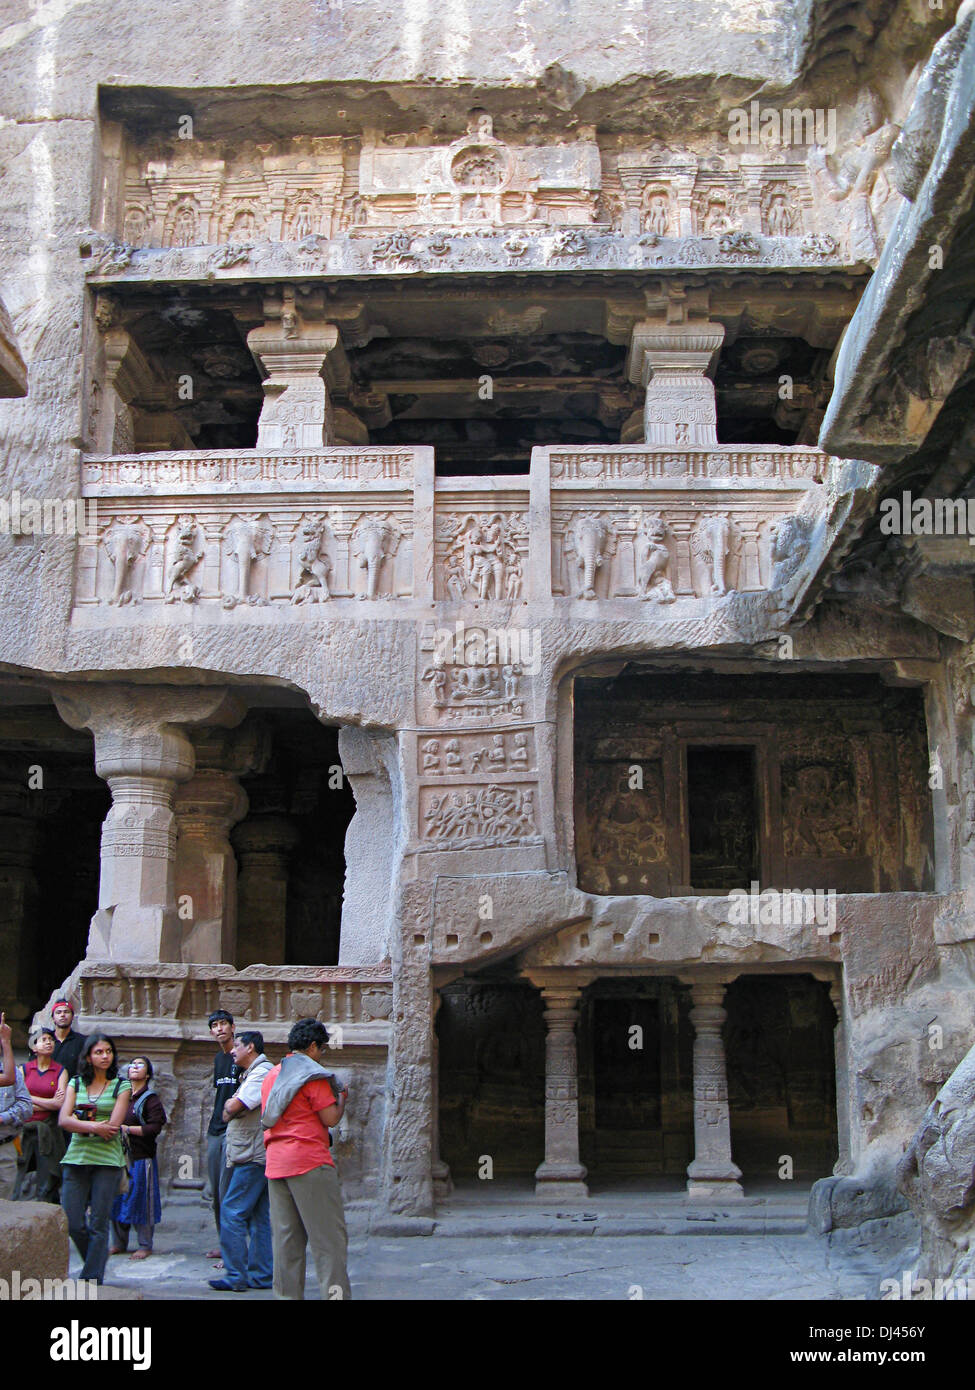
[125, 542]
[247, 538]
[590, 538]
[715, 540]
[374, 539]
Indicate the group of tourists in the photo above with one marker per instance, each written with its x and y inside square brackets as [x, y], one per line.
[87, 1130]
[88, 1135]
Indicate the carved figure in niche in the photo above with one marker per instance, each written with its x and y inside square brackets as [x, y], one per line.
[821, 816]
[482, 556]
[653, 561]
[510, 675]
[373, 540]
[437, 677]
[589, 538]
[188, 554]
[454, 760]
[301, 221]
[314, 565]
[125, 542]
[247, 538]
[135, 227]
[626, 823]
[243, 231]
[656, 218]
[477, 757]
[472, 684]
[497, 755]
[858, 170]
[715, 540]
[185, 226]
[716, 217]
[431, 755]
[779, 218]
[519, 754]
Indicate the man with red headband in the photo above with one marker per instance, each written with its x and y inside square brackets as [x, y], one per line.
[67, 1048]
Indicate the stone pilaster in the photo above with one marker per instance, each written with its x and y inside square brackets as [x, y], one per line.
[206, 870]
[292, 351]
[711, 1176]
[263, 844]
[672, 361]
[844, 1162]
[561, 1175]
[442, 1182]
[19, 946]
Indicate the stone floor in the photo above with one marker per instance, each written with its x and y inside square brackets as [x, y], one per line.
[506, 1248]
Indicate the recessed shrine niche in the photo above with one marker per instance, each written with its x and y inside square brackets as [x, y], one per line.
[693, 783]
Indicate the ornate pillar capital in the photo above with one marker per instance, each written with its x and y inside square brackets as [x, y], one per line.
[293, 351]
[673, 361]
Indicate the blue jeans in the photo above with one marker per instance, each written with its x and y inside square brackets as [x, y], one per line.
[89, 1187]
[245, 1221]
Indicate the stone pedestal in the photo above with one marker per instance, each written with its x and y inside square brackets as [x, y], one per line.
[206, 870]
[671, 361]
[263, 844]
[561, 1175]
[711, 1176]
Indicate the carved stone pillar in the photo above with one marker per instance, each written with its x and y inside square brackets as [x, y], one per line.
[671, 361]
[115, 424]
[844, 1162]
[442, 1182]
[711, 1176]
[206, 870]
[143, 756]
[561, 1174]
[292, 351]
[263, 844]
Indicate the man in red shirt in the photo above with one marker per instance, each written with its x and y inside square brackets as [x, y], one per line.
[299, 1105]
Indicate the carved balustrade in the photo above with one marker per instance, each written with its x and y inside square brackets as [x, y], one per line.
[275, 532]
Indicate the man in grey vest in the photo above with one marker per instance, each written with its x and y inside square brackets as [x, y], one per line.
[245, 1226]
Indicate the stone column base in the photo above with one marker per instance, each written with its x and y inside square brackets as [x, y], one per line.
[559, 1182]
[714, 1190]
[443, 1183]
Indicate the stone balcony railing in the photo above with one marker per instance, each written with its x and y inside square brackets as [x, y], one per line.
[175, 1000]
[277, 531]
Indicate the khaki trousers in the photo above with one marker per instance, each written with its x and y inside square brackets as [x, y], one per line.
[308, 1209]
[8, 1170]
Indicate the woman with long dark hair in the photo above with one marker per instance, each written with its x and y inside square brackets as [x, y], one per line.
[140, 1206]
[95, 1104]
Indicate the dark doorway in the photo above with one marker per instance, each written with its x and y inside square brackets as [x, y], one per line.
[635, 1112]
[723, 825]
[781, 1075]
[492, 1078]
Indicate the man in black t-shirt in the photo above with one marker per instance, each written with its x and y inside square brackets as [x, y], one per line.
[67, 1043]
[226, 1076]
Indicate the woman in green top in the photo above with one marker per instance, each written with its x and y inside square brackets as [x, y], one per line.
[95, 1104]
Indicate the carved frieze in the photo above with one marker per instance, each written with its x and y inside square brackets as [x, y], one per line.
[479, 817]
[493, 753]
